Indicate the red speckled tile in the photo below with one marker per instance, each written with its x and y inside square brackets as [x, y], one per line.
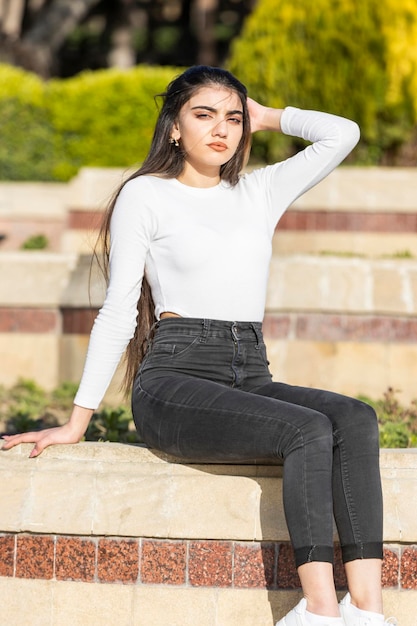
[35, 556]
[339, 569]
[75, 559]
[17, 320]
[390, 568]
[409, 568]
[7, 555]
[163, 562]
[210, 563]
[287, 577]
[118, 561]
[254, 565]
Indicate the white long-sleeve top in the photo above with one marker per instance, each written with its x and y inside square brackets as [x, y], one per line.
[205, 251]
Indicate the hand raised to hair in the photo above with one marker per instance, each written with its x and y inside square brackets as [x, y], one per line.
[262, 117]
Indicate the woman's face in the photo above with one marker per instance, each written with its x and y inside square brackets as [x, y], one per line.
[209, 128]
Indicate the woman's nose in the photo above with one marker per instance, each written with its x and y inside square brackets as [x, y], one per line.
[220, 129]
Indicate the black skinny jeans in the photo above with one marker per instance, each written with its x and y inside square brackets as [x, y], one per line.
[204, 392]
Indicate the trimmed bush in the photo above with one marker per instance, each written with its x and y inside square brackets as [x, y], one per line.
[105, 118]
[102, 118]
[27, 146]
[357, 58]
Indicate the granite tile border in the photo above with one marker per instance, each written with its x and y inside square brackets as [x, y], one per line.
[391, 568]
[304, 326]
[348, 221]
[77, 320]
[29, 320]
[84, 219]
[296, 220]
[163, 562]
[184, 563]
[35, 556]
[287, 577]
[409, 568]
[210, 563]
[255, 565]
[75, 559]
[118, 560]
[7, 555]
[340, 327]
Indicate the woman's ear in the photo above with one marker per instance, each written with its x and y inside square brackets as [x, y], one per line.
[175, 132]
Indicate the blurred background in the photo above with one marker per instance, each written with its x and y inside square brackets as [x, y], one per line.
[89, 67]
[61, 38]
[79, 85]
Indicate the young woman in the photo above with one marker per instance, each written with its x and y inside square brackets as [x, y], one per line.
[190, 239]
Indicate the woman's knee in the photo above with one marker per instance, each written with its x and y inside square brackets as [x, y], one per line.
[315, 434]
[360, 423]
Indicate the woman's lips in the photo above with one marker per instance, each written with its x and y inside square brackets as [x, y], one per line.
[218, 146]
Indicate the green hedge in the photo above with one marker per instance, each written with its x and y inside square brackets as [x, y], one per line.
[102, 118]
[27, 146]
[356, 58]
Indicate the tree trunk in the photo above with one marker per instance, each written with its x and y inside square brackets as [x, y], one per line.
[120, 25]
[35, 51]
[203, 22]
[11, 17]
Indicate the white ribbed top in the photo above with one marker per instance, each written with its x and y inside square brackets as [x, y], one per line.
[206, 252]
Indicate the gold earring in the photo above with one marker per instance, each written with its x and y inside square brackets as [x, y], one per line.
[174, 142]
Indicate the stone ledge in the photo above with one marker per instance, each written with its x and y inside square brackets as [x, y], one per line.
[126, 490]
[188, 543]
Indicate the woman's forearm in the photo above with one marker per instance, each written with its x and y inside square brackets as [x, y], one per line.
[80, 419]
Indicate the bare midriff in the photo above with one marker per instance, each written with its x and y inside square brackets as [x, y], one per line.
[168, 314]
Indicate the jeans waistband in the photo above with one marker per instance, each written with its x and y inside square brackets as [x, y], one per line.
[205, 328]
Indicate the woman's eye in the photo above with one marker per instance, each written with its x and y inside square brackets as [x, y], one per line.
[202, 115]
[235, 120]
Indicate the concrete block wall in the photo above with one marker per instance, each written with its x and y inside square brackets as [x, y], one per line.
[333, 320]
[344, 324]
[100, 533]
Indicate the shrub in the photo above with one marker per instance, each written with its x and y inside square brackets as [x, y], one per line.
[112, 424]
[27, 146]
[103, 118]
[106, 117]
[357, 59]
[27, 407]
[35, 242]
[24, 407]
[397, 424]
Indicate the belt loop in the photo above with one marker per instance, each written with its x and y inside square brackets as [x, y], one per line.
[205, 331]
[258, 335]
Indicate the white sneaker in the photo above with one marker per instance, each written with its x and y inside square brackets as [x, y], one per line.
[358, 620]
[297, 616]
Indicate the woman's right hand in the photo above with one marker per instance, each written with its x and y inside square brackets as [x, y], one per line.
[71, 432]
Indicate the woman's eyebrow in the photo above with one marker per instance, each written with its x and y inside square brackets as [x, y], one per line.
[214, 110]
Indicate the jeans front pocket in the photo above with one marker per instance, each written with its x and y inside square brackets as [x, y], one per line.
[178, 347]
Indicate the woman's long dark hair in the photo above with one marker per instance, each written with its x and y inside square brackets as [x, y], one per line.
[167, 160]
